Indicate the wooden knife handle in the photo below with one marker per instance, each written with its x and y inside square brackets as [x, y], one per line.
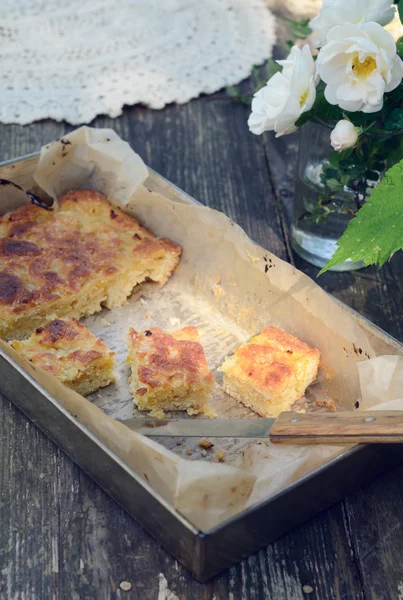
[364, 427]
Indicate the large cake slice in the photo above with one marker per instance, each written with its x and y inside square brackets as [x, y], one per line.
[73, 260]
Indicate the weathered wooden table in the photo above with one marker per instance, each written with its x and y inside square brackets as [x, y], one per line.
[62, 537]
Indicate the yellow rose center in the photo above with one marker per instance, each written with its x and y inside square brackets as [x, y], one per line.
[303, 97]
[363, 69]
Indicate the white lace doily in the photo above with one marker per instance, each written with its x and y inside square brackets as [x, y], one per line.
[75, 59]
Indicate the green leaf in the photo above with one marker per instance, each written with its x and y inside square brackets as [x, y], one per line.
[335, 158]
[324, 111]
[321, 110]
[329, 172]
[380, 166]
[395, 120]
[299, 29]
[391, 99]
[376, 232]
[399, 45]
[232, 91]
[304, 118]
[396, 151]
[400, 9]
[334, 185]
[271, 67]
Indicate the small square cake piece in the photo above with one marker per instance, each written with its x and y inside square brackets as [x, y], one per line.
[270, 372]
[68, 350]
[169, 371]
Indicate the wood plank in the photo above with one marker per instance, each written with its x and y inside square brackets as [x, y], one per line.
[375, 515]
[312, 562]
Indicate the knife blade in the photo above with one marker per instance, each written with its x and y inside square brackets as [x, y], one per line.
[249, 428]
[345, 427]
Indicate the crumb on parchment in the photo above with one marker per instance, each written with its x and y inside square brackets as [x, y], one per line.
[252, 257]
[217, 278]
[205, 443]
[218, 290]
[174, 321]
[326, 404]
[157, 413]
[189, 452]
[219, 455]
[105, 323]
[210, 412]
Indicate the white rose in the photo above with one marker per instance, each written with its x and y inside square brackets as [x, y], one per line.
[344, 135]
[357, 12]
[359, 64]
[279, 104]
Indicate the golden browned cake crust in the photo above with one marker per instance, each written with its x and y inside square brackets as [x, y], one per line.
[73, 260]
[169, 370]
[68, 350]
[270, 372]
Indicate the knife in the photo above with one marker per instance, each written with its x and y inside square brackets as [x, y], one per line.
[289, 427]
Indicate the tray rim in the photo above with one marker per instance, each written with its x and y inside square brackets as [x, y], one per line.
[96, 440]
[199, 535]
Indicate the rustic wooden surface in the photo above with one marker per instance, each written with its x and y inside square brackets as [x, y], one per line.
[62, 537]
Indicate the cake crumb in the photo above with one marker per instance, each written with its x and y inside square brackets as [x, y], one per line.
[105, 323]
[126, 586]
[252, 256]
[203, 453]
[218, 290]
[217, 278]
[307, 589]
[219, 455]
[174, 321]
[205, 443]
[326, 404]
[157, 413]
[210, 412]
[189, 452]
[147, 317]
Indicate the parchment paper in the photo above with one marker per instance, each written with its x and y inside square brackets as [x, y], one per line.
[230, 289]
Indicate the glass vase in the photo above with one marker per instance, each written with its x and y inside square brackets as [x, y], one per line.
[328, 193]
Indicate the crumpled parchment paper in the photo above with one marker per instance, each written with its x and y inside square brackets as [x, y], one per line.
[231, 289]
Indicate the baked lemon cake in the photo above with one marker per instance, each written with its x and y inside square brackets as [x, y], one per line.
[68, 350]
[270, 372]
[73, 260]
[169, 371]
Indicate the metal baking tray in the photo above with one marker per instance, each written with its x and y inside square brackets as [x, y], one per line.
[204, 553]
